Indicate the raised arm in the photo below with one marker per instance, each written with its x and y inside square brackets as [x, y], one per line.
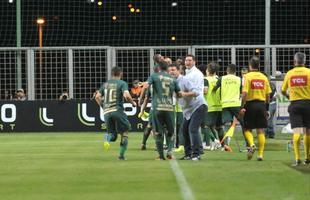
[99, 98]
[128, 98]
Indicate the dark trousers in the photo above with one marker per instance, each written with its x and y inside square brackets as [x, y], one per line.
[179, 140]
[270, 129]
[192, 139]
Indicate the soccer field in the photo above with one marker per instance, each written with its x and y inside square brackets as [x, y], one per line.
[74, 166]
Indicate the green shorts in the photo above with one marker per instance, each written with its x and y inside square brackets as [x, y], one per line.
[163, 120]
[117, 122]
[229, 113]
[213, 119]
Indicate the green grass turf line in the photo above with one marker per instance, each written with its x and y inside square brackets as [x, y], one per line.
[74, 166]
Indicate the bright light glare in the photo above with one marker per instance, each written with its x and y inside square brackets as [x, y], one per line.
[40, 21]
[174, 4]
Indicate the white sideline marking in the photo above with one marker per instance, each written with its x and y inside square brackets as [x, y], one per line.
[186, 191]
[49, 142]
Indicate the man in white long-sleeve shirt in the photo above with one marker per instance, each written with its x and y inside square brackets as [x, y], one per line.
[193, 74]
[193, 114]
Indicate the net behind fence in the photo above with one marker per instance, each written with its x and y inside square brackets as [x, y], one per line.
[89, 71]
[174, 53]
[8, 73]
[284, 58]
[154, 23]
[51, 73]
[244, 54]
[135, 64]
[220, 55]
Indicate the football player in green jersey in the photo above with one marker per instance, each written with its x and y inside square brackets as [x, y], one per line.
[111, 97]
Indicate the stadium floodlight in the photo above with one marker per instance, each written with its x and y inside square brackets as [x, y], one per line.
[11, 1]
[40, 23]
[174, 4]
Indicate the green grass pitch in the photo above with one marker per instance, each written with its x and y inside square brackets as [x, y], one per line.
[74, 166]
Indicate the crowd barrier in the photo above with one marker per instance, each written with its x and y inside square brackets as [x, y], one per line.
[59, 116]
[79, 115]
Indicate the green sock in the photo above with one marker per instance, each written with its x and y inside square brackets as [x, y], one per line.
[220, 132]
[169, 142]
[113, 137]
[205, 136]
[123, 146]
[211, 135]
[159, 140]
[146, 134]
[181, 137]
[215, 133]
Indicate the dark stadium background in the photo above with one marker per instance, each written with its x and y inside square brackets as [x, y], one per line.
[193, 22]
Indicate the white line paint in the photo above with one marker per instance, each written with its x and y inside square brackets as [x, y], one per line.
[56, 142]
[186, 191]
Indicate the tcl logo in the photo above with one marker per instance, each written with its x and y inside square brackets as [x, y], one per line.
[257, 84]
[299, 81]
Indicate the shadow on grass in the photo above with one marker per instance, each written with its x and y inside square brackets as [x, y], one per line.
[301, 168]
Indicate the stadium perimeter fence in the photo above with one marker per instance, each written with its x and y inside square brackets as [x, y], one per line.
[45, 73]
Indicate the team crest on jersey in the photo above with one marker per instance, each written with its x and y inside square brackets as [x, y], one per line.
[299, 80]
[257, 84]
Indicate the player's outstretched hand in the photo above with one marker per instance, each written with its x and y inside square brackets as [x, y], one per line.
[134, 104]
[243, 110]
[181, 94]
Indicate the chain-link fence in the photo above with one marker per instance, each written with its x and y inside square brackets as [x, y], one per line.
[46, 73]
